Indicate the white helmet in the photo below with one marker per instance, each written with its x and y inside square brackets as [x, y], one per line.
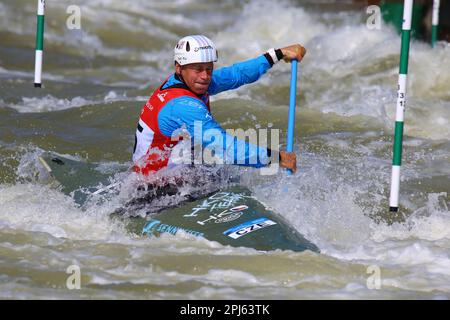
[195, 49]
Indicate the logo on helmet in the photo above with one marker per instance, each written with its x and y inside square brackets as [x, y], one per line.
[180, 45]
[203, 48]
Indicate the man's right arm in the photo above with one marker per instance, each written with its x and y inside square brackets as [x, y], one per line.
[232, 77]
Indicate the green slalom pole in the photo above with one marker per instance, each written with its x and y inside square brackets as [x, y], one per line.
[401, 103]
[435, 22]
[39, 44]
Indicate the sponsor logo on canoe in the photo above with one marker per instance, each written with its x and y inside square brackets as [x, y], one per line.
[239, 208]
[156, 226]
[150, 225]
[231, 217]
[225, 216]
[219, 201]
[248, 227]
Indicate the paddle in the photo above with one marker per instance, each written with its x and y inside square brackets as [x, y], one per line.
[291, 116]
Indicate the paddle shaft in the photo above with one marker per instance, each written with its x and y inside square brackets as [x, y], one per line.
[291, 116]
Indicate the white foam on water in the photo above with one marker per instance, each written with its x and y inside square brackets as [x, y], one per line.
[430, 222]
[428, 119]
[428, 74]
[8, 73]
[14, 20]
[349, 57]
[38, 208]
[263, 31]
[333, 199]
[349, 69]
[308, 201]
[35, 204]
[50, 103]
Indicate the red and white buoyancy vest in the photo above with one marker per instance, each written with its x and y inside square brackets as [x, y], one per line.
[152, 148]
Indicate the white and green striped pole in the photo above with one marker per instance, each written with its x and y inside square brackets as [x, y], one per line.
[401, 103]
[435, 22]
[39, 44]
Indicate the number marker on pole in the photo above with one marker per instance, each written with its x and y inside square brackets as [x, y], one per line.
[401, 103]
[39, 44]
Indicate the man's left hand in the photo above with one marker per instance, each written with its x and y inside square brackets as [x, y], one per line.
[292, 52]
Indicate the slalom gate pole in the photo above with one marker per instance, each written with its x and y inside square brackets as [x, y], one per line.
[39, 44]
[435, 23]
[401, 103]
[291, 116]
